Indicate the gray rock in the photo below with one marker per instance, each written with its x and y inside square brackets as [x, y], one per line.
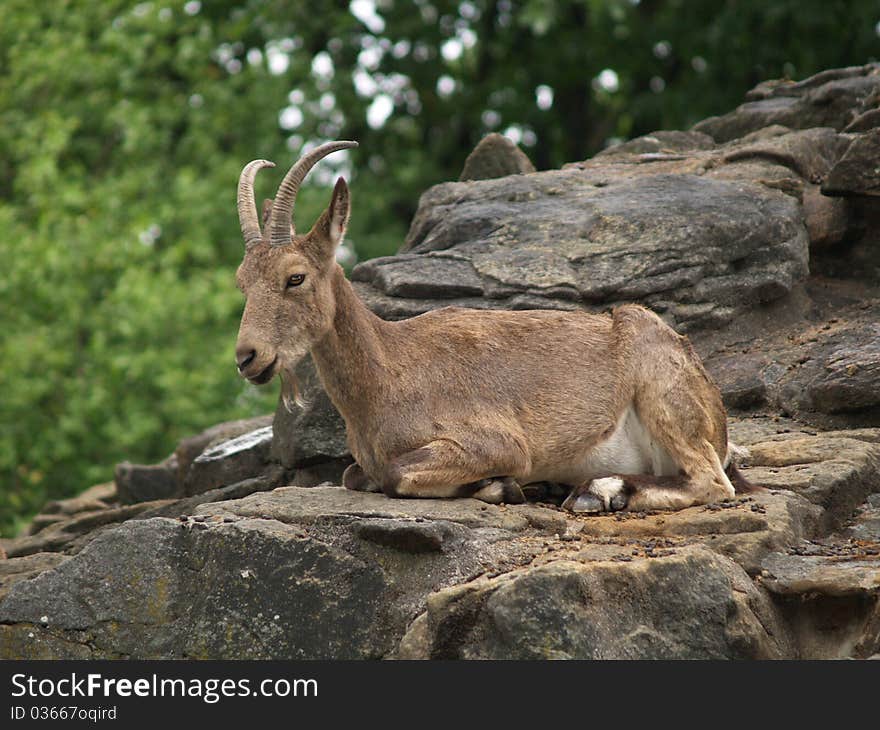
[229, 462]
[858, 171]
[144, 483]
[495, 156]
[831, 599]
[556, 240]
[603, 610]
[189, 448]
[829, 99]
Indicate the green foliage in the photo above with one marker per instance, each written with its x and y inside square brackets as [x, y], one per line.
[123, 128]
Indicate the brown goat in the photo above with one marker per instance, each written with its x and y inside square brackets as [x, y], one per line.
[460, 402]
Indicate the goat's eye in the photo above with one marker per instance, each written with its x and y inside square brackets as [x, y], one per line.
[295, 280]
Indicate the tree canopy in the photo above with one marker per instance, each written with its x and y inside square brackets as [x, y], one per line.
[123, 128]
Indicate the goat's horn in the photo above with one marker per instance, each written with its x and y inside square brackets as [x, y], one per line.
[247, 206]
[280, 220]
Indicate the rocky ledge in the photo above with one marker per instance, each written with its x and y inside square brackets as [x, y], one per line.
[754, 232]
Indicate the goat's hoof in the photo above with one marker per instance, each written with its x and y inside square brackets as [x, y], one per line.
[499, 491]
[602, 495]
[618, 502]
[355, 479]
[585, 503]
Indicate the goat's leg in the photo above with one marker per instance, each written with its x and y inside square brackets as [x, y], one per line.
[702, 481]
[450, 468]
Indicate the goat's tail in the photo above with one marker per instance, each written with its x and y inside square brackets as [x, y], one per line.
[740, 484]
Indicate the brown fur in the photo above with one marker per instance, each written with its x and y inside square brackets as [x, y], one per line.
[439, 402]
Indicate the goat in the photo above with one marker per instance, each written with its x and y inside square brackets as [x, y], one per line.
[460, 402]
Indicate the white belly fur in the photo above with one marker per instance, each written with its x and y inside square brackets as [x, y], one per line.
[629, 449]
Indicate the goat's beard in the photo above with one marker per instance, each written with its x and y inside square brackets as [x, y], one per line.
[291, 394]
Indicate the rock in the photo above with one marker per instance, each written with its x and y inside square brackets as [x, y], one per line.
[189, 448]
[831, 602]
[662, 142]
[239, 458]
[26, 567]
[310, 434]
[836, 473]
[71, 534]
[824, 100]
[229, 585]
[556, 240]
[828, 219]
[144, 483]
[858, 171]
[824, 370]
[407, 535]
[603, 610]
[495, 156]
[93, 498]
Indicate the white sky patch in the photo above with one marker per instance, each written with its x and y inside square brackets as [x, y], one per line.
[370, 57]
[192, 7]
[327, 102]
[607, 80]
[662, 49]
[401, 48]
[657, 84]
[468, 37]
[452, 49]
[322, 65]
[290, 118]
[468, 11]
[699, 64]
[544, 97]
[255, 56]
[277, 60]
[296, 97]
[445, 86]
[379, 111]
[529, 138]
[364, 84]
[365, 11]
[490, 119]
[514, 133]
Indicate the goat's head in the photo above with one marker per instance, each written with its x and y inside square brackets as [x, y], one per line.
[286, 277]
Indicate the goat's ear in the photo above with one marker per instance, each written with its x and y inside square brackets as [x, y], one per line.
[338, 212]
[329, 229]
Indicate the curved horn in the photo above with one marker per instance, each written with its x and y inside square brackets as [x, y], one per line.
[247, 207]
[280, 221]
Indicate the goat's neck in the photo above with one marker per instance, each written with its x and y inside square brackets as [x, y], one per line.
[351, 357]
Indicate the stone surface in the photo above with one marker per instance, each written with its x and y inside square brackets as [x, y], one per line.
[144, 483]
[858, 171]
[455, 577]
[189, 448]
[231, 461]
[823, 370]
[690, 604]
[558, 240]
[832, 98]
[495, 156]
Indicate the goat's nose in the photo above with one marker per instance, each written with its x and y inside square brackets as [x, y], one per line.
[244, 356]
